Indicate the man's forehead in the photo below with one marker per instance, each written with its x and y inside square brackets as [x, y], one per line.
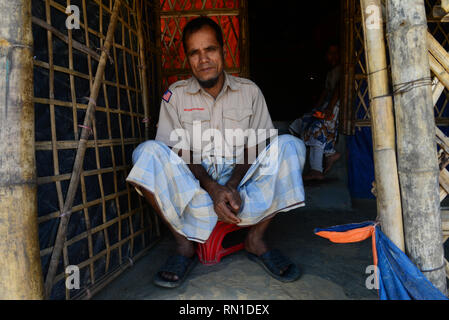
[204, 37]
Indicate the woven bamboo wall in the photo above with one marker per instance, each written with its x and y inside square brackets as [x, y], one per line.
[359, 116]
[111, 226]
[231, 15]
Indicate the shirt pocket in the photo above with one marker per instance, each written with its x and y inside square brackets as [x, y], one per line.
[189, 117]
[237, 118]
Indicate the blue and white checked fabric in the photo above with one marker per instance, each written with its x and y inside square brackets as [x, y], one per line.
[272, 184]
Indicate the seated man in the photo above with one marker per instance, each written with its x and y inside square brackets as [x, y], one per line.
[319, 128]
[197, 117]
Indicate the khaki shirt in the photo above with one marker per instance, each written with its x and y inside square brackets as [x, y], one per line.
[240, 105]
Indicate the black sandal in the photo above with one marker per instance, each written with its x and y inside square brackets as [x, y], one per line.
[273, 261]
[177, 265]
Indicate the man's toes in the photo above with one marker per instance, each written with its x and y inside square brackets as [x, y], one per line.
[170, 276]
[283, 271]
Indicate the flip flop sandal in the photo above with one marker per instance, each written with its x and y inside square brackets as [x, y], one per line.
[178, 265]
[273, 261]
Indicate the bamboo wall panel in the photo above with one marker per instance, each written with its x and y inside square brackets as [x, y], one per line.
[231, 15]
[110, 226]
[361, 106]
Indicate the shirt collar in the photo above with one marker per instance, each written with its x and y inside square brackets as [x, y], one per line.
[194, 86]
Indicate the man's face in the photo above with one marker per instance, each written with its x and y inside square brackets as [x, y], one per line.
[205, 55]
[333, 55]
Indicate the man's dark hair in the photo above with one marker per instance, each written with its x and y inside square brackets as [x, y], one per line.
[197, 24]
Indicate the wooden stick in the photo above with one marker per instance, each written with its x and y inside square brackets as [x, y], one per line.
[20, 265]
[445, 5]
[385, 164]
[416, 148]
[143, 70]
[74, 181]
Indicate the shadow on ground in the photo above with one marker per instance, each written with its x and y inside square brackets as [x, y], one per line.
[330, 271]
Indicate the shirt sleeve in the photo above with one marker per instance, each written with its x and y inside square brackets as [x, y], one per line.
[168, 121]
[261, 117]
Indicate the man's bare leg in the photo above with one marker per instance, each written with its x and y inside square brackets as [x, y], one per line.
[184, 247]
[254, 242]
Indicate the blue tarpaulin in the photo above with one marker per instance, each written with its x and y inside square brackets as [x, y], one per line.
[398, 278]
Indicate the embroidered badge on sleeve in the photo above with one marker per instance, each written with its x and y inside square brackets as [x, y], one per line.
[167, 95]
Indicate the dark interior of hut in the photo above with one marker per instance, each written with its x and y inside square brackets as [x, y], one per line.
[287, 52]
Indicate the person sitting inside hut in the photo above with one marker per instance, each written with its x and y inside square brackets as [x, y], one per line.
[191, 197]
[319, 128]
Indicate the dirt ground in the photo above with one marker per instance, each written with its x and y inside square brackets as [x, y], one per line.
[329, 271]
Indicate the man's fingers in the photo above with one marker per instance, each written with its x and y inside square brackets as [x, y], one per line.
[234, 201]
[227, 213]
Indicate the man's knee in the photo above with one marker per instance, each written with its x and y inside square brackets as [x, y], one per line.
[290, 141]
[150, 147]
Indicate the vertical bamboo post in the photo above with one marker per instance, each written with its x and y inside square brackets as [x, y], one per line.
[20, 265]
[244, 39]
[348, 109]
[347, 54]
[382, 124]
[416, 146]
[79, 158]
[143, 69]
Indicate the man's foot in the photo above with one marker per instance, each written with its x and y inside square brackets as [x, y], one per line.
[330, 160]
[277, 265]
[313, 175]
[178, 267]
[186, 250]
[254, 245]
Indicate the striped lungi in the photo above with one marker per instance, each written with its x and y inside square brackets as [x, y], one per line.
[272, 184]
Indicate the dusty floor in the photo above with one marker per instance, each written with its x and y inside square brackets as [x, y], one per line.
[330, 271]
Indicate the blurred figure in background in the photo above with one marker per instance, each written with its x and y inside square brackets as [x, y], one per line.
[319, 128]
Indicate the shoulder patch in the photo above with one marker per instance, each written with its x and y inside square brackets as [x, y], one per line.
[167, 95]
[243, 80]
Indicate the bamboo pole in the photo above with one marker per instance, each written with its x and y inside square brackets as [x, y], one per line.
[416, 146]
[75, 178]
[244, 40]
[382, 123]
[344, 34]
[350, 114]
[445, 5]
[143, 70]
[20, 265]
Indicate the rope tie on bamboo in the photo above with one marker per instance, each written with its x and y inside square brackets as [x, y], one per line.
[88, 294]
[374, 72]
[131, 261]
[86, 127]
[142, 66]
[404, 87]
[64, 214]
[435, 269]
[111, 61]
[15, 45]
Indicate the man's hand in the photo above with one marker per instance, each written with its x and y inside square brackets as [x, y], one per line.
[227, 202]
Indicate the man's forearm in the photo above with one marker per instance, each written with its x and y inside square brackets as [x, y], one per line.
[206, 182]
[237, 175]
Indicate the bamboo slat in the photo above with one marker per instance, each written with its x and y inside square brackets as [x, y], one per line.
[114, 218]
[386, 172]
[20, 267]
[417, 158]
